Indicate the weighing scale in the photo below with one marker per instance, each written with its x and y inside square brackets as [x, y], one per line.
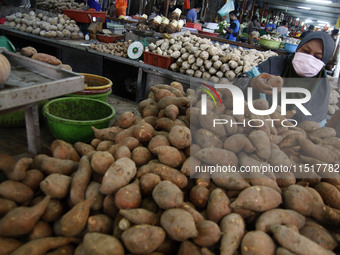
[136, 49]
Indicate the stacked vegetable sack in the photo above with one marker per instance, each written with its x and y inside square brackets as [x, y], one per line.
[47, 25]
[201, 58]
[58, 6]
[130, 190]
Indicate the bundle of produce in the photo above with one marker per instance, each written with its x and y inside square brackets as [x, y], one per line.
[46, 25]
[59, 6]
[130, 190]
[118, 49]
[201, 58]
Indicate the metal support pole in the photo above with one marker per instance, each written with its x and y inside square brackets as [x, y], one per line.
[32, 129]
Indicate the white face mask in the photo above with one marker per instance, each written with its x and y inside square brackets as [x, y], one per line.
[306, 65]
[271, 22]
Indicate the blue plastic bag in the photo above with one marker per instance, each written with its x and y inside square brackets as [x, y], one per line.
[228, 7]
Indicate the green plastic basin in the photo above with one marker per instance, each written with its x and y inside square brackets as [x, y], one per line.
[70, 118]
[102, 97]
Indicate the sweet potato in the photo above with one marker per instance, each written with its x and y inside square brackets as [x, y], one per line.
[158, 140]
[293, 196]
[122, 152]
[207, 122]
[41, 230]
[261, 142]
[168, 100]
[56, 185]
[237, 143]
[230, 181]
[139, 216]
[169, 155]
[217, 156]
[180, 137]
[128, 196]
[18, 172]
[100, 223]
[188, 247]
[309, 126]
[257, 198]
[63, 150]
[206, 138]
[190, 209]
[119, 174]
[101, 244]
[329, 193]
[7, 162]
[143, 132]
[126, 120]
[199, 196]
[33, 178]
[143, 239]
[218, 205]
[63, 250]
[281, 217]
[141, 156]
[109, 206]
[171, 111]
[95, 142]
[8, 245]
[152, 120]
[257, 242]
[43, 245]
[106, 133]
[15, 191]
[101, 161]
[189, 165]
[232, 228]
[178, 224]
[333, 141]
[80, 180]
[167, 124]
[278, 157]
[21, 220]
[104, 145]
[167, 195]
[74, 221]
[124, 134]
[83, 148]
[150, 111]
[315, 151]
[295, 242]
[49, 165]
[28, 51]
[316, 196]
[208, 233]
[148, 182]
[165, 172]
[49, 59]
[93, 192]
[6, 206]
[319, 234]
[54, 210]
[160, 93]
[323, 132]
[283, 251]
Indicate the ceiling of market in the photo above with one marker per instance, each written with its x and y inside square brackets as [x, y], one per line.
[315, 12]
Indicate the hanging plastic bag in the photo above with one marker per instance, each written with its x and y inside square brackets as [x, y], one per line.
[121, 6]
[187, 4]
[228, 7]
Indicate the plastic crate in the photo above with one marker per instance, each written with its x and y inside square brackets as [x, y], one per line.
[157, 60]
[194, 25]
[213, 34]
[109, 38]
[116, 28]
[83, 16]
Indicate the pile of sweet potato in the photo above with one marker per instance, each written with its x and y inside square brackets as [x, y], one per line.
[131, 189]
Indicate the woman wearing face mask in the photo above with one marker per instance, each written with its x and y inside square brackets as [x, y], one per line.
[309, 61]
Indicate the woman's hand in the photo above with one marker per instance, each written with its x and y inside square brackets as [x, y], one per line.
[265, 83]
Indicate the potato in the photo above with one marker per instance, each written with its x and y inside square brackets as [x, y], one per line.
[28, 51]
[232, 228]
[180, 137]
[257, 198]
[178, 224]
[143, 239]
[56, 185]
[119, 174]
[279, 216]
[141, 156]
[295, 242]
[21, 220]
[101, 244]
[128, 196]
[218, 205]
[167, 195]
[257, 242]
[101, 161]
[208, 233]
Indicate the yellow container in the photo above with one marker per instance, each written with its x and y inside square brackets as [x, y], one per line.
[93, 82]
